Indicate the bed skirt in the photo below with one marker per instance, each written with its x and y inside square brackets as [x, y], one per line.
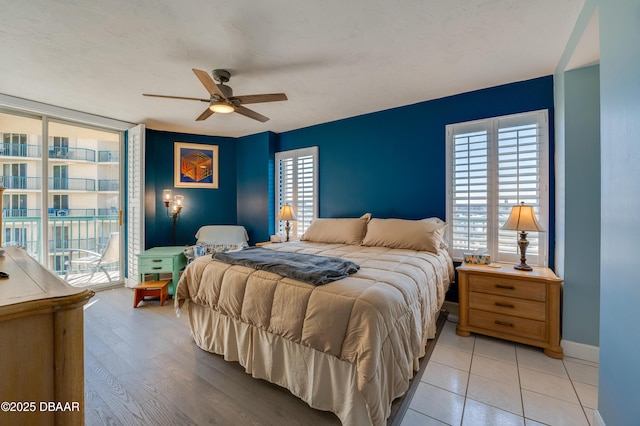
[323, 381]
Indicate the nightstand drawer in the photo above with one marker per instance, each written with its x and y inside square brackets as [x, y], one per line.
[508, 306]
[158, 264]
[508, 287]
[515, 326]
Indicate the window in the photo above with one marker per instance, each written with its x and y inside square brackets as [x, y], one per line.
[61, 202]
[14, 144]
[297, 184]
[60, 237]
[60, 177]
[493, 165]
[14, 175]
[14, 205]
[15, 236]
[60, 147]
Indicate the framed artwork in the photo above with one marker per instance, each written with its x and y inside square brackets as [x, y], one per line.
[195, 165]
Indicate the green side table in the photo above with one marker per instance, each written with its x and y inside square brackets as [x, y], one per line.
[157, 260]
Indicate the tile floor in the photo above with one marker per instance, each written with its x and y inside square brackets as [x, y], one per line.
[480, 380]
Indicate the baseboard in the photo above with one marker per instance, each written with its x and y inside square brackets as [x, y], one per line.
[580, 351]
[597, 419]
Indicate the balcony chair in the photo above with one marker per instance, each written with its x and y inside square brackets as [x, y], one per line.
[96, 261]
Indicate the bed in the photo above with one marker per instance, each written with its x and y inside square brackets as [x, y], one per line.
[349, 346]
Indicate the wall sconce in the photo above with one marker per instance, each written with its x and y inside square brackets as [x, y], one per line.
[174, 207]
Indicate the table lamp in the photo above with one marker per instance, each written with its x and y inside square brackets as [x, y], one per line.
[287, 214]
[522, 218]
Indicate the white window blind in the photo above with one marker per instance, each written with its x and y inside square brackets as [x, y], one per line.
[297, 185]
[135, 200]
[493, 165]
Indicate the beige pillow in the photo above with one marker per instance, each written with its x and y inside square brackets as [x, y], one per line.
[438, 221]
[424, 235]
[337, 231]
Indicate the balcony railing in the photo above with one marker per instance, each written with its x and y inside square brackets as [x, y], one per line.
[21, 182]
[68, 153]
[111, 211]
[72, 184]
[108, 156]
[20, 212]
[108, 185]
[62, 152]
[70, 212]
[84, 232]
[20, 150]
[6, 212]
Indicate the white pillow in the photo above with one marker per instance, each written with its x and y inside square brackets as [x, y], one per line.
[222, 234]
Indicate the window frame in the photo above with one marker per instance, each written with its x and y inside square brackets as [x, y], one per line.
[296, 229]
[495, 215]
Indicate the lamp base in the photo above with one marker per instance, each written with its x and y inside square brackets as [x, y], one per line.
[523, 244]
[523, 267]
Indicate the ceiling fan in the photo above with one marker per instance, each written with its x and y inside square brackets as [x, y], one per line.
[222, 100]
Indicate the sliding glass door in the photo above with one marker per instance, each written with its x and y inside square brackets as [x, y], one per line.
[62, 200]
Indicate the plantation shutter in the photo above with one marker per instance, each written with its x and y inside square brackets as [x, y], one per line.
[493, 165]
[296, 184]
[135, 201]
[522, 176]
[470, 203]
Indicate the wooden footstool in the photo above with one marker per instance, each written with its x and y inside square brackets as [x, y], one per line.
[151, 288]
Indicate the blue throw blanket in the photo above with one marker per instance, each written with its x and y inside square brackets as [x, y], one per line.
[312, 269]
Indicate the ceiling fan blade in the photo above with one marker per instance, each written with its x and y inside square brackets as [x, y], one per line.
[255, 99]
[208, 83]
[205, 114]
[177, 97]
[250, 113]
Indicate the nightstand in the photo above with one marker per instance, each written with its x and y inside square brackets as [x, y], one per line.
[510, 304]
[162, 260]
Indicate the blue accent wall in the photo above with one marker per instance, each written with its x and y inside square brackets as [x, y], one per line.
[256, 197]
[620, 228]
[581, 300]
[392, 163]
[201, 206]
[389, 163]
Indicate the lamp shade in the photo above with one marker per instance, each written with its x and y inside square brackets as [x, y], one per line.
[522, 218]
[286, 213]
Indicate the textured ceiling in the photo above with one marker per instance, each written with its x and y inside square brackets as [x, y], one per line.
[333, 58]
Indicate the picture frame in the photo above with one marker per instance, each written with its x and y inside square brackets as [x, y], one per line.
[195, 165]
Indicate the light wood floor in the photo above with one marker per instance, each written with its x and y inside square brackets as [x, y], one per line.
[142, 368]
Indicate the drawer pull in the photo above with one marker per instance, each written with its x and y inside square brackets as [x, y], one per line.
[157, 267]
[505, 287]
[156, 260]
[506, 324]
[505, 305]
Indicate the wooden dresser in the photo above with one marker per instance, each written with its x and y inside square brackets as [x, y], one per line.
[42, 349]
[510, 304]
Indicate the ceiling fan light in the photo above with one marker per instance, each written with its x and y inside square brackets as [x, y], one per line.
[221, 107]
